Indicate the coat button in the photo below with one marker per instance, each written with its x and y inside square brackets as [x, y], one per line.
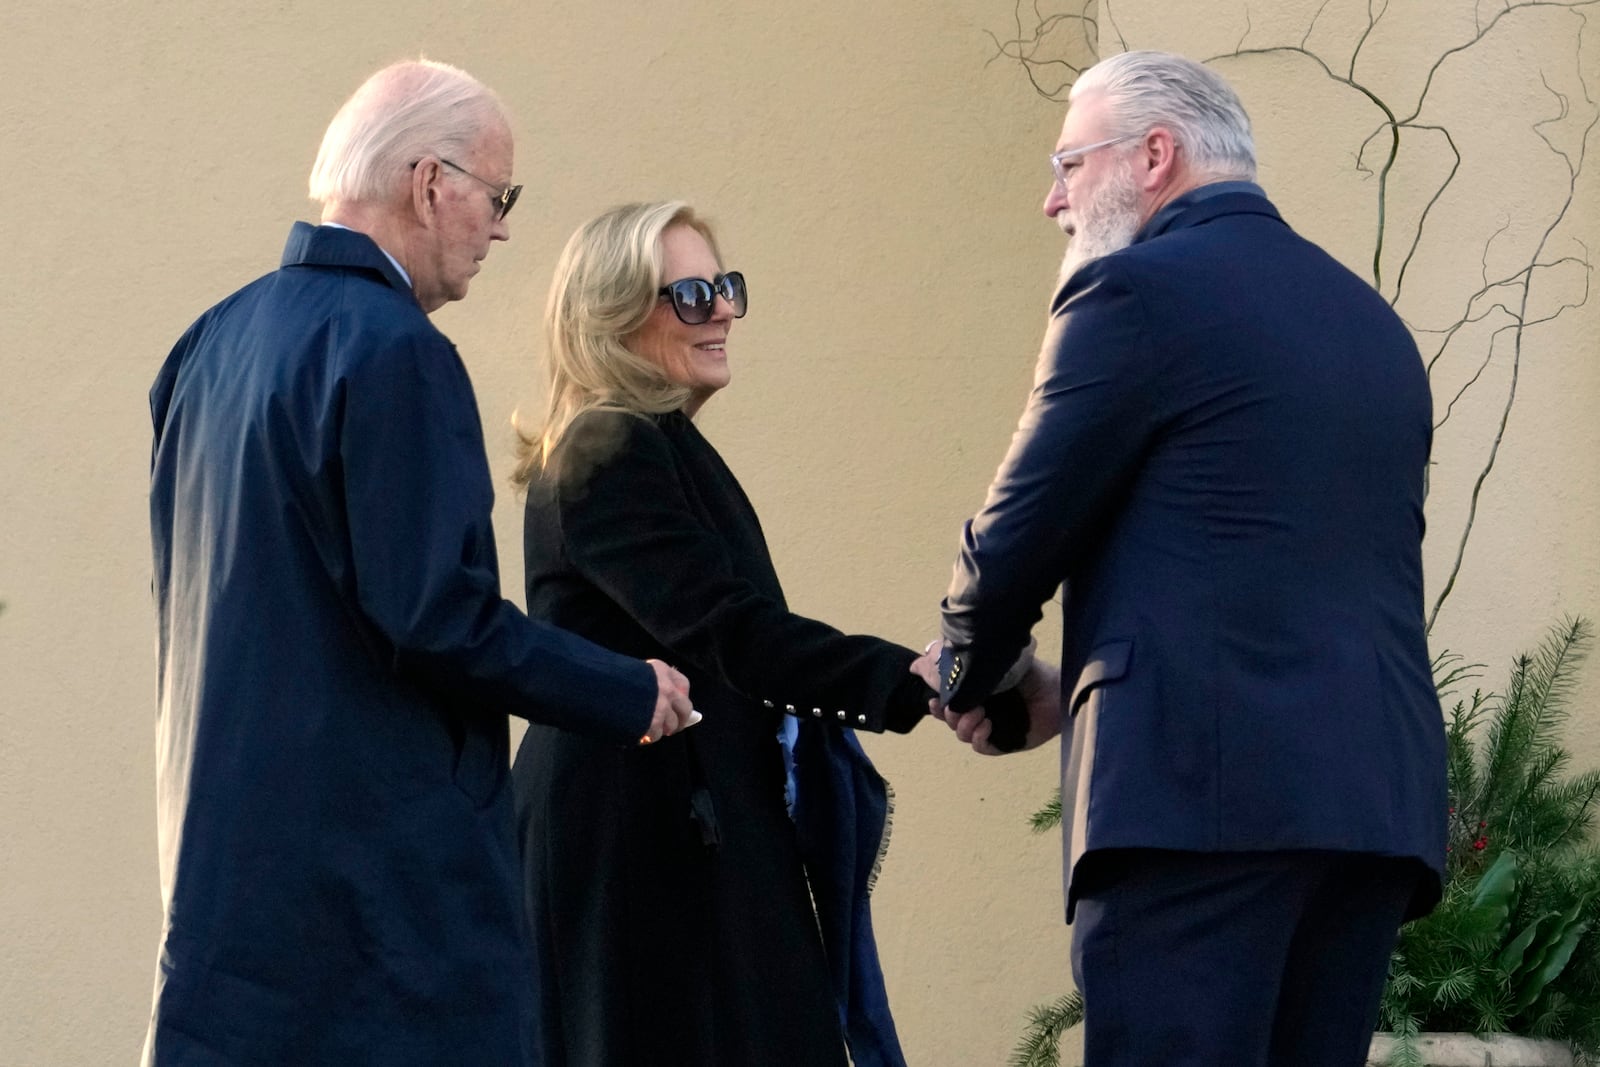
[789, 708]
[841, 715]
[862, 719]
[766, 703]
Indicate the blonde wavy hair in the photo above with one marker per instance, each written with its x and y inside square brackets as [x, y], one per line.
[605, 287]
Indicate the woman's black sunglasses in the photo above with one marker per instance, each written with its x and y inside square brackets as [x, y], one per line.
[693, 298]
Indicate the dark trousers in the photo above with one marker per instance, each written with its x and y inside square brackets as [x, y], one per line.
[1273, 959]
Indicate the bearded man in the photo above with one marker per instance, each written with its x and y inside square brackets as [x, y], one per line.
[1221, 464]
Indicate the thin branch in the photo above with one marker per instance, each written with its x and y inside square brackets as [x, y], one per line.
[1483, 32]
[1305, 41]
[1393, 125]
[1573, 168]
[1122, 42]
[1488, 356]
[1372, 24]
[1427, 209]
[1024, 48]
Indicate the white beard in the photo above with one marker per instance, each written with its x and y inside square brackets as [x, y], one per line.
[1106, 224]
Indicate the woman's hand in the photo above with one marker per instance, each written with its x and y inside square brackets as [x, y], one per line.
[926, 666]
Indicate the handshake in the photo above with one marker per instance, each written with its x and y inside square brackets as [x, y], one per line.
[1023, 712]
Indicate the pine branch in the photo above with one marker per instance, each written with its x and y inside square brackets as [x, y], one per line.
[1523, 752]
[1041, 1040]
[1048, 817]
[1578, 798]
[1450, 669]
[1536, 808]
[1511, 738]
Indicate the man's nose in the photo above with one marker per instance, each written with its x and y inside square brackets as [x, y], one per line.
[1055, 201]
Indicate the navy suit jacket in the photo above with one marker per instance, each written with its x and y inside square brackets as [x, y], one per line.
[1221, 463]
[338, 866]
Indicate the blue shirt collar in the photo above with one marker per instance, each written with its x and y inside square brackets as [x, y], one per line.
[403, 273]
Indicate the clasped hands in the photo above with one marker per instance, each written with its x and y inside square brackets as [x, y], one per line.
[1038, 684]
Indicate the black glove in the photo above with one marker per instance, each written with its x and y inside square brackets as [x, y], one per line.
[1008, 720]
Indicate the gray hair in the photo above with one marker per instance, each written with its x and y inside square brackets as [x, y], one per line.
[1146, 89]
[405, 111]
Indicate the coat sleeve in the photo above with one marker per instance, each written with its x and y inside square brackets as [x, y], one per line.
[1089, 421]
[629, 528]
[418, 498]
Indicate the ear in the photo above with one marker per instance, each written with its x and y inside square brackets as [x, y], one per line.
[1158, 160]
[427, 187]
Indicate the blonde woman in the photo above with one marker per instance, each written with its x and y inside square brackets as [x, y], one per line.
[639, 537]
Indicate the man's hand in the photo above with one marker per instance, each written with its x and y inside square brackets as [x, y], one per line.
[1040, 689]
[673, 710]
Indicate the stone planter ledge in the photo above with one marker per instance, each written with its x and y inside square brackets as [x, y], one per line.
[1469, 1050]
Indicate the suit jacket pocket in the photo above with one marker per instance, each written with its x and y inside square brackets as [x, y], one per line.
[481, 759]
[1108, 662]
[1080, 739]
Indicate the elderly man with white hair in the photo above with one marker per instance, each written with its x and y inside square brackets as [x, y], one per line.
[336, 661]
[1221, 467]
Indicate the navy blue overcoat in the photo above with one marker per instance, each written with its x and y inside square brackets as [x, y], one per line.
[336, 666]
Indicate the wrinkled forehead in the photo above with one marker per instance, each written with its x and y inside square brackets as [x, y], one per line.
[493, 150]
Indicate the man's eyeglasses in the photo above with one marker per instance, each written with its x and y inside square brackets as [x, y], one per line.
[1069, 157]
[503, 198]
[694, 298]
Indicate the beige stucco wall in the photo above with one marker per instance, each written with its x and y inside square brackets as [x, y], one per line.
[879, 185]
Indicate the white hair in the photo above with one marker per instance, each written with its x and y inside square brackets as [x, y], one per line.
[1146, 89]
[405, 111]
[1107, 219]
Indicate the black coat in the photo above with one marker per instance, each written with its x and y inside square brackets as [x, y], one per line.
[665, 885]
